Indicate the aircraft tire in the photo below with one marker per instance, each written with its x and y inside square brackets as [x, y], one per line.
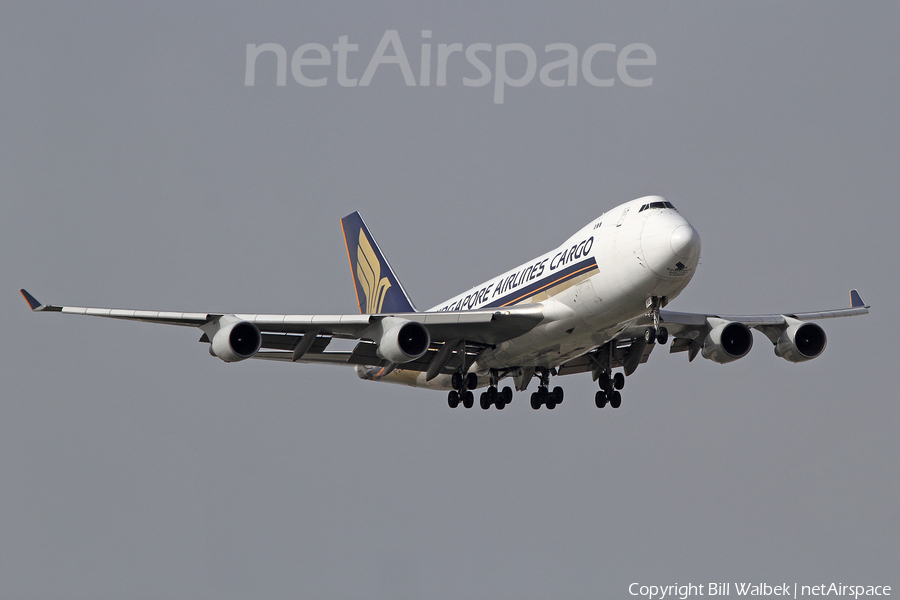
[484, 401]
[453, 399]
[492, 395]
[662, 336]
[507, 395]
[604, 381]
[616, 400]
[456, 381]
[471, 381]
[535, 400]
[500, 404]
[600, 399]
[650, 335]
[558, 395]
[619, 381]
[468, 399]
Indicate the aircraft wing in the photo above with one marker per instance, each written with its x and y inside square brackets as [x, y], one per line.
[689, 329]
[283, 335]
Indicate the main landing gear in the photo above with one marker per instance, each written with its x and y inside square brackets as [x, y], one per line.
[543, 396]
[499, 399]
[609, 393]
[461, 390]
[609, 390]
[462, 386]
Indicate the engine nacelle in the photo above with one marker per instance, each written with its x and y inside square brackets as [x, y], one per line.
[236, 341]
[402, 340]
[800, 342]
[727, 341]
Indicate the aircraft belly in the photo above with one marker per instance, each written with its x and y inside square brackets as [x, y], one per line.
[584, 320]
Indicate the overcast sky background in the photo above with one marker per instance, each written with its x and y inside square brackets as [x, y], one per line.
[137, 170]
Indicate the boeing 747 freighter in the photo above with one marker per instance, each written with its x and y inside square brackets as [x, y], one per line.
[595, 304]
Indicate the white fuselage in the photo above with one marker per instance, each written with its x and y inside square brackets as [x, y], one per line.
[590, 287]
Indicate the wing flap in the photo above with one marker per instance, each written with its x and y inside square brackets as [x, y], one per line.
[365, 354]
[585, 362]
[331, 358]
[277, 341]
[487, 327]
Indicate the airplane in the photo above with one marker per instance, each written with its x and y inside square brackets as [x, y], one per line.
[593, 304]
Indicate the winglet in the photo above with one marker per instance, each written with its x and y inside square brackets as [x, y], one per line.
[31, 300]
[856, 301]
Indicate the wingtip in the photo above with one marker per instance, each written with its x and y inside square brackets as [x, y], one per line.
[31, 300]
[856, 300]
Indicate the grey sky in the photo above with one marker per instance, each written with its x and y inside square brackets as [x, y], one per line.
[137, 170]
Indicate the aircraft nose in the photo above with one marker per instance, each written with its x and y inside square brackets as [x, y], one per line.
[670, 246]
[685, 242]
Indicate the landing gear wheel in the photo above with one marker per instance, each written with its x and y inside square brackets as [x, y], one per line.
[468, 399]
[453, 399]
[485, 401]
[506, 395]
[616, 400]
[619, 381]
[471, 381]
[546, 398]
[499, 403]
[456, 380]
[650, 335]
[662, 335]
[535, 400]
[490, 396]
[600, 399]
[557, 395]
[603, 380]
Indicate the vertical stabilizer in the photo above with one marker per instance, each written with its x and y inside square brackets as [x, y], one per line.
[377, 288]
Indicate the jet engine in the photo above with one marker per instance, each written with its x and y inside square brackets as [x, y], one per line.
[236, 341]
[402, 340]
[727, 341]
[800, 342]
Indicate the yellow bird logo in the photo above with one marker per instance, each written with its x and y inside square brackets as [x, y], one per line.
[368, 270]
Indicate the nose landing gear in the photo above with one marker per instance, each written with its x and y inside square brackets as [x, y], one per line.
[656, 333]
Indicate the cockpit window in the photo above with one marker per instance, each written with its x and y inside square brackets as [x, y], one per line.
[657, 205]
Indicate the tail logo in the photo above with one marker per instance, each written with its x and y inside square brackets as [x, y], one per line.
[368, 270]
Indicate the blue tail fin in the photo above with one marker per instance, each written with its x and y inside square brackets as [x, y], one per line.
[377, 288]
